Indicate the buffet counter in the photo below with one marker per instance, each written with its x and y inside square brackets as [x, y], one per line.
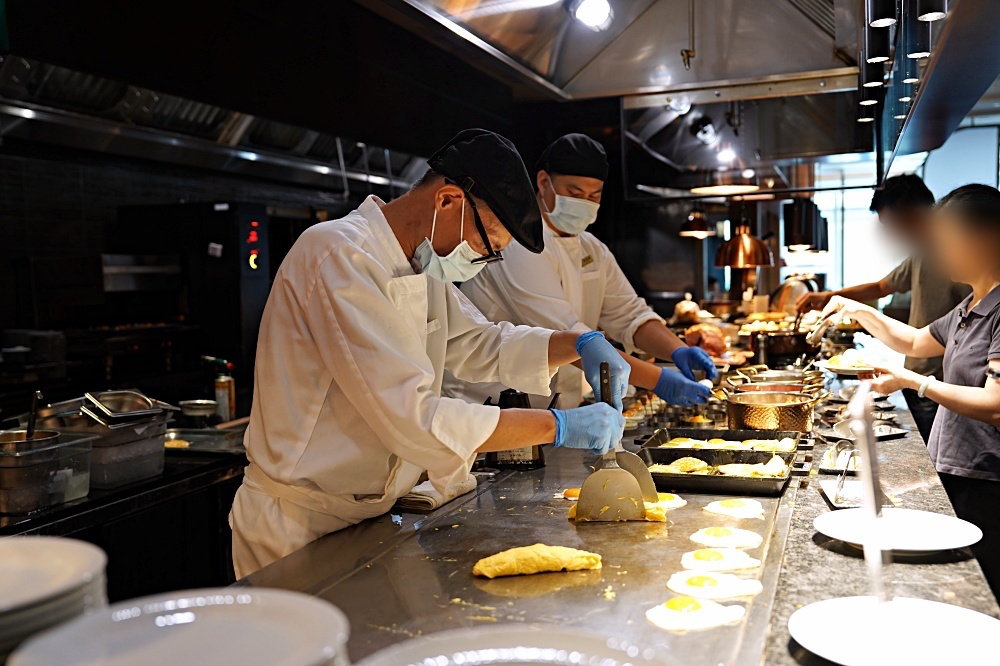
[404, 575]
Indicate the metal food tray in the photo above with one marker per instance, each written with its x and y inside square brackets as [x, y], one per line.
[68, 416]
[207, 440]
[664, 435]
[717, 483]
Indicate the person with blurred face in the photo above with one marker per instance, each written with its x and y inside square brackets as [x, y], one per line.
[359, 327]
[904, 206]
[576, 284]
[965, 438]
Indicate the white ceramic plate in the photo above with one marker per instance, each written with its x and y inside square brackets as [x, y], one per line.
[512, 645]
[211, 626]
[857, 631]
[849, 372]
[37, 569]
[900, 529]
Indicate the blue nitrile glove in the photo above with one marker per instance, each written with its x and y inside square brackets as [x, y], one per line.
[689, 359]
[597, 428]
[594, 350]
[678, 390]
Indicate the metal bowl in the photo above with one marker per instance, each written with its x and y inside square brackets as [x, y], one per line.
[16, 441]
[198, 407]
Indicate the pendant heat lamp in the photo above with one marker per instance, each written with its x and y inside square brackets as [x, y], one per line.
[931, 10]
[697, 226]
[726, 183]
[876, 45]
[880, 13]
[918, 43]
[743, 250]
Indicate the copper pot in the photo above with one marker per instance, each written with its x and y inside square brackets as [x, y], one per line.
[779, 387]
[772, 411]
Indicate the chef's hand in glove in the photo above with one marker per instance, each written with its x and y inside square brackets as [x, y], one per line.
[689, 359]
[594, 350]
[679, 390]
[596, 428]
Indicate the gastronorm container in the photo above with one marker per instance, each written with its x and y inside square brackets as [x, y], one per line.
[717, 484]
[664, 435]
[113, 466]
[34, 477]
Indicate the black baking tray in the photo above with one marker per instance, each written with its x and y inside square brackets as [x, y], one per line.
[717, 484]
[664, 435]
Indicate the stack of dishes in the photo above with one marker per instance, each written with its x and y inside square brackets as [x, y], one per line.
[243, 626]
[45, 581]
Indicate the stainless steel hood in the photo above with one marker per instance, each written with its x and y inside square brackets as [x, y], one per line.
[44, 103]
[539, 43]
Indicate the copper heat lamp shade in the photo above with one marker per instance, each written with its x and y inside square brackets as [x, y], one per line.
[743, 250]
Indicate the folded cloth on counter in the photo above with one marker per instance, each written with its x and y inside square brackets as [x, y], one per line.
[424, 497]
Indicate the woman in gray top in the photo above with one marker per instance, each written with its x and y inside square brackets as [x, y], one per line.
[965, 438]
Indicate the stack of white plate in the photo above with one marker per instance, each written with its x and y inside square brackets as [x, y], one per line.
[45, 581]
[245, 626]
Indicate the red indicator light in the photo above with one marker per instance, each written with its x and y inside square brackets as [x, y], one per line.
[254, 223]
[254, 253]
[252, 237]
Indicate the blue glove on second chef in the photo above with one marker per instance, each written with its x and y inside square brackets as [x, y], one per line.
[594, 350]
[678, 390]
[597, 428]
[689, 359]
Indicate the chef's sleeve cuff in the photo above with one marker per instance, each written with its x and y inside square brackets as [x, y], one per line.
[524, 359]
[629, 338]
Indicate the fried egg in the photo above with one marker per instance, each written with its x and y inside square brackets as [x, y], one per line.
[726, 537]
[736, 508]
[712, 585]
[670, 501]
[686, 613]
[718, 559]
[571, 493]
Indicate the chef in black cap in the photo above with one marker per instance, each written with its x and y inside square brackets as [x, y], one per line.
[360, 325]
[576, 284]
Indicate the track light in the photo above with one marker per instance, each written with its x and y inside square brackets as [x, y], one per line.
[931, 10]
[880, 13]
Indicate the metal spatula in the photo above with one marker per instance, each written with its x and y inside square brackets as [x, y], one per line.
[635, 466]
[610, 494]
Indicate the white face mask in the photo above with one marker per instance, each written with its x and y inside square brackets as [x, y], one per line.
[571, 215]
[457, 266]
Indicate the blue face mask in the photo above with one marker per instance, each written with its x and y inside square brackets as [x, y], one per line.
[571, 215]
[457, 266]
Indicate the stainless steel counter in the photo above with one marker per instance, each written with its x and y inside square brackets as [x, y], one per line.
[405, 575]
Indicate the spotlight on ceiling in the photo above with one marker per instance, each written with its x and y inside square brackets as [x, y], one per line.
[595, 14]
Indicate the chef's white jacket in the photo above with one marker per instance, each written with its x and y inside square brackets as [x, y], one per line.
[347, 407]
[574, 284]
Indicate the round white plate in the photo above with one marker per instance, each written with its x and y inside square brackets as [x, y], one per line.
[36, 569]
[900, 529]
[858, 631]
[512, 645]
[848, 372]
[211, 626]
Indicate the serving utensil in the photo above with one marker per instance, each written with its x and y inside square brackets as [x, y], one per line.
[610, 493]
[33, 415]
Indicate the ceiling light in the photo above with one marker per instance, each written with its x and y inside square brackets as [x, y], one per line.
[876, 44]
[901, 116]
[905, 98]
[703, 130]
[880, 13]
[866, 114]
[697, 226]
[931, 10]
[748, 173]
[743, 250]
[870, 74]
[919, 41]
[726, 155]
[595, 14]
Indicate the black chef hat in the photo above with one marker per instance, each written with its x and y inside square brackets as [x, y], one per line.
[488, 166]
[574, 155]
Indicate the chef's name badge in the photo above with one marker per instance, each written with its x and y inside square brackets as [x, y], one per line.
[586, 261]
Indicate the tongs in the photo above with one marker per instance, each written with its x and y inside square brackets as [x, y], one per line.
[815, 336]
